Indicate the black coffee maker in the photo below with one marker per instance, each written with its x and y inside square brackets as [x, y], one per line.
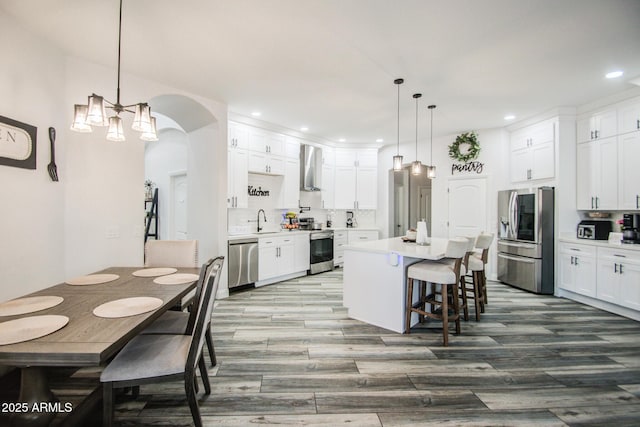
[631, 228]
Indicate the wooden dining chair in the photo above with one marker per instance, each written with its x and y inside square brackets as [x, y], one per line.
[148, 359]
[181, 323]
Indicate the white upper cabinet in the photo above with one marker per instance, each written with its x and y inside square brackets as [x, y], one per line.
[237, 164]
[599, 125]
[266, 152]
[596, 179]
[356, 179]
[629, 171]
[238, 136]
[290, 194]
[292, 148]
[533, 152]
[629, 117]
[328, 186]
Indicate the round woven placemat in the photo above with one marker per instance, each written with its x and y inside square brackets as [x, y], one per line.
[176, 279]
[30, 328]
[28, 305]
[154, 272]
[92, 279]
[127, 307]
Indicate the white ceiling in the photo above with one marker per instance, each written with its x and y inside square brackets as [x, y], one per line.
[330, 64]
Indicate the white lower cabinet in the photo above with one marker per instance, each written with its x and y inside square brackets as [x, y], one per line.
[619, 277]
[275, 257]
[302, 252]
[606, 274]
[342, 238]
[578, 269]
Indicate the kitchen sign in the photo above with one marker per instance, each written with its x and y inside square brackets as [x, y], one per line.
[17, 144]
[257, 192]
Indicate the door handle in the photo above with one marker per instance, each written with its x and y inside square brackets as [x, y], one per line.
[571, 260]
[637, 201]
[620, 268]
[615, 268]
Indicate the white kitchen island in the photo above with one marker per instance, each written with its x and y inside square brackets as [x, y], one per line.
[375, 278]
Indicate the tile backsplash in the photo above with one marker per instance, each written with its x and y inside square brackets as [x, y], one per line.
[243, 221]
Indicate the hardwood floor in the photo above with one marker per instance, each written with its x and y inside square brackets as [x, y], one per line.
[289, 355]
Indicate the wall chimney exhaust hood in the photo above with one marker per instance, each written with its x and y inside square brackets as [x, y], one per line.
[310, 158]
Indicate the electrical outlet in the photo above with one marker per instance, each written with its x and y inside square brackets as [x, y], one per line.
[113, 232]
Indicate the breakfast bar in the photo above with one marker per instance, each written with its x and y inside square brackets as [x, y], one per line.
[375, 276]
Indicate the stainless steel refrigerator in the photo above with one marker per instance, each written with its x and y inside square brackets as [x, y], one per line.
[525, 239]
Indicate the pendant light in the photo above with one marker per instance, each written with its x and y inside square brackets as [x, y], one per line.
[416, 166]
[94, 113]
[397, 159]
[431, 169]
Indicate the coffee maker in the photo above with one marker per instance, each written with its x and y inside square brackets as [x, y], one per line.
[631, 228]
[349, 219]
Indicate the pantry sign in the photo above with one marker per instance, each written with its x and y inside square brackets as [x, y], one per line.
[17, 144]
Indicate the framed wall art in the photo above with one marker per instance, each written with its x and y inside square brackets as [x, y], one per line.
[17, 144]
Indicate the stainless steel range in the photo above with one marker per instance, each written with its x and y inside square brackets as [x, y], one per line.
[321, 247]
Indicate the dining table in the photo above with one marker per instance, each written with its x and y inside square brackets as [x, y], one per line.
[92, 335]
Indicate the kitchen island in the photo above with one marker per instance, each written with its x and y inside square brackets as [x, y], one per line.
[375, 277]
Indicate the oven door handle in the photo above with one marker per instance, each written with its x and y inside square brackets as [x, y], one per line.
[321, 237]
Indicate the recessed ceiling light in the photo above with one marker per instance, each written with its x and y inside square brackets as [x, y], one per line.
[342, 140]
[379, 140]
[509, 117]
[256, 114]
[614, 74]
[304, 128]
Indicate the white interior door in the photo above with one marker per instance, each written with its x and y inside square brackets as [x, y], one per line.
[178, 216]
[467, 206]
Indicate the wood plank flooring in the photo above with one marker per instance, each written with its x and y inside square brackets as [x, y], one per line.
[289, 355]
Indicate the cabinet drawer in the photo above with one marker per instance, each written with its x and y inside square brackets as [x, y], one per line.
[621, 254]
[362, 235]
[577, 249]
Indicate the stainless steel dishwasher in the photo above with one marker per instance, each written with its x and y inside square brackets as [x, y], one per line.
[243, 262]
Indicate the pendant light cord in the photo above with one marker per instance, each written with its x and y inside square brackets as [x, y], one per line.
[398, 82]
[417, 96]
[431, 107]
[119, 49]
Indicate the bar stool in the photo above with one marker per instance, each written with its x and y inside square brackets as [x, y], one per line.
[446, 275]
[478, 262]
[464, 269]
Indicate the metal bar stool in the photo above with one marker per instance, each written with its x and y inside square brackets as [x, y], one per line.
[446, 276]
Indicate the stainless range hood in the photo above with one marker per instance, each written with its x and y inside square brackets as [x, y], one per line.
[310, 158]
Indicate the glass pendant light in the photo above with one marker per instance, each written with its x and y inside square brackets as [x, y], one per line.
[115, 132]
[96, 113]
[80, 119]
[397, 159]
[416, 166]
[141, 118]
[151, 134]
[431, 169]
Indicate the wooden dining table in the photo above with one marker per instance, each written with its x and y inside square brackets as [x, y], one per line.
[86, 340]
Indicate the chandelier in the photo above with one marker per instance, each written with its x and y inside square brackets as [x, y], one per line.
[94, 113]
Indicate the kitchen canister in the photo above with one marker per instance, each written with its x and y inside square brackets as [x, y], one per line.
[422, 235]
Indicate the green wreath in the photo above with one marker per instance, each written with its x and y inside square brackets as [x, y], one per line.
[469, 139]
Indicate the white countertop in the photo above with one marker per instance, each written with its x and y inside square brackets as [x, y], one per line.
[571, 238]
[281, 232]
[435, 250]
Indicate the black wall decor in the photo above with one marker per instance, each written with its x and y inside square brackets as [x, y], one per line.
[17, 144]
[476, 167]
[257, 192]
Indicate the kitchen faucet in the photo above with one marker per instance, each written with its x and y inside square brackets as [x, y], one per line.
[263, 216]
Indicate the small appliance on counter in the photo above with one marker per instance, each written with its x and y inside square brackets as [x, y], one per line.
[309, 224]
[594, 230]
[350, 219]
[631, 228]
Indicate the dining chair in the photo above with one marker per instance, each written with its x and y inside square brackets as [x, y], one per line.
[478, 262]
[173, 253]
[180, 323]
[446, 275]
[149, 359]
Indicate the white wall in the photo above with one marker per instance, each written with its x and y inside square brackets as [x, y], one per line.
[32, 88]
[93, 217]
